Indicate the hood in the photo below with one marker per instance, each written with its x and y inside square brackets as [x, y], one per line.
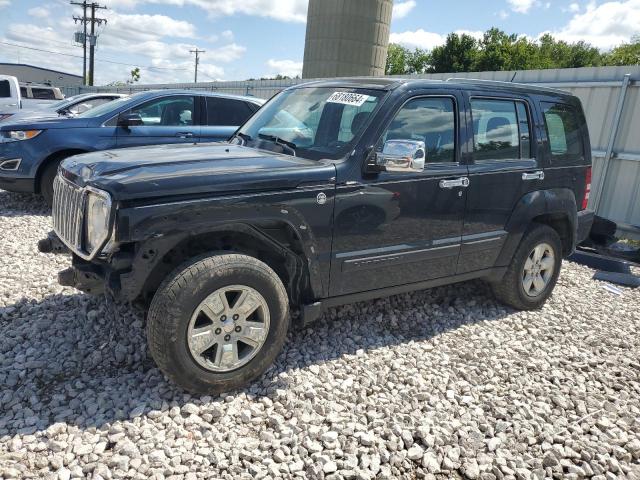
[193, 169]
[44, 123]
[32, 117]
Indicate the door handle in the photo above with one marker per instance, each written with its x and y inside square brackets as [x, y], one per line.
[539, 175]
[456, 182]
[184, 135]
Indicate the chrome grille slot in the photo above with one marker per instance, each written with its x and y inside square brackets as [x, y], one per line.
[68, 213]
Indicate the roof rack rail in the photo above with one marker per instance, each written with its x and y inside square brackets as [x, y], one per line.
[522, 86]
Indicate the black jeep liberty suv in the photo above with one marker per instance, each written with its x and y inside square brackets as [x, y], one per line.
[333, 192]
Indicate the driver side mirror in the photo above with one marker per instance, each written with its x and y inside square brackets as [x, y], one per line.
[399, 156]
[130, 120]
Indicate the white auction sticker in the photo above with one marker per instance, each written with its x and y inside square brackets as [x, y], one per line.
[348, 98]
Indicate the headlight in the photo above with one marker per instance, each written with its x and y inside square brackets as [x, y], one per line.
[97, 218]
[17, 135]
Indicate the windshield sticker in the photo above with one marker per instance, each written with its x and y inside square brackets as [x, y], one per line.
[348, 98]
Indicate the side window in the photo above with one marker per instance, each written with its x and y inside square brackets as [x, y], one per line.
[5, 89]
[563, 129]
[166, 111]
[500, 130]
[431, 120]
[24, 92]
[225, 111]
[43, 93]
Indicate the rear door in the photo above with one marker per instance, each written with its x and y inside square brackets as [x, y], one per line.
[169, 119]
[503, 168]
[223, 117]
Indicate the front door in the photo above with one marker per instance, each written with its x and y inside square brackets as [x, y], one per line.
[170, 119]
[503, 170]
[400, 228]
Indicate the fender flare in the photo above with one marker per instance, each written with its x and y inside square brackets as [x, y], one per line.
[557, 203]
[151, 252]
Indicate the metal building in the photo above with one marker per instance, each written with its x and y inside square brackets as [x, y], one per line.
[346, 38]
[32, 74]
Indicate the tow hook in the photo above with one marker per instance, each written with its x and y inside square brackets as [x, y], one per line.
[52, 244]
[67, 277]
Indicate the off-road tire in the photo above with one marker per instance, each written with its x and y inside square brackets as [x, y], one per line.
[509, 290]
[46, 180]
[177, 298]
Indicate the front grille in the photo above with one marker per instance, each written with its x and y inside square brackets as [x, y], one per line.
[68, 212]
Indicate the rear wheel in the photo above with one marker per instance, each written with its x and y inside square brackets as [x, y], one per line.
[534, 270]
[218, 322]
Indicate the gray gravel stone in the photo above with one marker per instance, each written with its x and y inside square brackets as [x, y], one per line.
[443, 383]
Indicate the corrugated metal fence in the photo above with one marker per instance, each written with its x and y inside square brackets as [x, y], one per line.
[610, 96]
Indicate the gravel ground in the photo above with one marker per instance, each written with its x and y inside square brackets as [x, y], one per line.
[442, 383]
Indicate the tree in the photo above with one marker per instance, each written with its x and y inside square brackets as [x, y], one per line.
[625, 54]
[135, 75]
[458, 54]
[499, 51]
[396, 59]
[402, 61]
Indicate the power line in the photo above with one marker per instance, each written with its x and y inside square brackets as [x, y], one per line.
[197, 52]
[148, 67]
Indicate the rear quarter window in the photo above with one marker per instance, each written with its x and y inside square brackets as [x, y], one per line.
[227, 112]
[563, 125]
[43, 93]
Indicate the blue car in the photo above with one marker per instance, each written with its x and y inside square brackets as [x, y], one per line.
[30, 151]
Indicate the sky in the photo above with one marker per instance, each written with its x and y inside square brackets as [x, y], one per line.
[262, 38]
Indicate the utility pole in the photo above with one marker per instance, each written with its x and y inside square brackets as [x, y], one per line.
[91, 37]
[197, 52]
[83, 20]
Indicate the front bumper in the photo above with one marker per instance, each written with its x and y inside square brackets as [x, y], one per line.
[18, 184]
[583, 225]
[93, 277]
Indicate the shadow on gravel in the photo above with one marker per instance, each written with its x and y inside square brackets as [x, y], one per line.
[18, 204]
[78, 360]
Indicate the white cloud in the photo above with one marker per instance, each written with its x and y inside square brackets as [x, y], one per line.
[284, 10]
[521, 6]
[39, 12]
[289, 68]
[402, 9]
[503, 14]
[133, 39]
[5, 3]
[426, 40]
[574, 7]
[605, 25]
[136, 27]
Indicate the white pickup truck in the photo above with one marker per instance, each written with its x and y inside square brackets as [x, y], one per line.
[15, 97]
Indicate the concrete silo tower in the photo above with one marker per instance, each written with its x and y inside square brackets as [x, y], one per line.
[346, 38]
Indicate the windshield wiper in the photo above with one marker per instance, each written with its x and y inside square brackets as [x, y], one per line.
[278, 141]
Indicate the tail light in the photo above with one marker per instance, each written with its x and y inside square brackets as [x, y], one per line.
[587, 189]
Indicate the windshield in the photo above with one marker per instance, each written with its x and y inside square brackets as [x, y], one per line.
[69, 100]
[311, 122]
[104, 108]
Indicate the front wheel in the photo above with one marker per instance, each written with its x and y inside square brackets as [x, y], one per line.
[218, 322]
[534, 270]
[46, 180]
